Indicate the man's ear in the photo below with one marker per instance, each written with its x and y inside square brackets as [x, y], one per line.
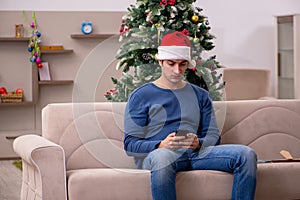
[160, 62]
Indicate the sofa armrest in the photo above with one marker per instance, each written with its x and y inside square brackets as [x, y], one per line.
[44, 171]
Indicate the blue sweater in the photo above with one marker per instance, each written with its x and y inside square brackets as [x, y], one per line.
[152, 113]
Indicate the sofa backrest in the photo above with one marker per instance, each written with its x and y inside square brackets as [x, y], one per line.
[267, 126]
[92, 133]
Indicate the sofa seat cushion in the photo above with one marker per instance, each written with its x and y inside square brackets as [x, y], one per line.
[114, 184]
[278, 181]
[106, 183]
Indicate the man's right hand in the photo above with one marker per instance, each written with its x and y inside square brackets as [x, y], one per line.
[172, 142]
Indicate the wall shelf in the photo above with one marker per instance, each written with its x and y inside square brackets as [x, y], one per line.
[24, 103]
[14, 39]
[56, 82]
[57, 51]
[91, 36]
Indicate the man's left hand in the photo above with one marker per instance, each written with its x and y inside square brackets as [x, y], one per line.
[190, 142]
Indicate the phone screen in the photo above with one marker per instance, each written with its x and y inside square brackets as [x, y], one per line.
[182, 133]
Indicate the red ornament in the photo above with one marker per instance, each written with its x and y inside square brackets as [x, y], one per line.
[185, 32]
[163, 2]
[124, 28]
[40, 65]
[172, 2]
[167, 2]
[194, 69]
[121, 29]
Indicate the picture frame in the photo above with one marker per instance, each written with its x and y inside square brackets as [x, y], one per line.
[44, 72]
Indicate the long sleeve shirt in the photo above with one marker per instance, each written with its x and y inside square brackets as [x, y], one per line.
[152, 113]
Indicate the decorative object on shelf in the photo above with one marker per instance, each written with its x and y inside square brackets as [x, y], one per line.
[12, 97]
[19, 30]
[34, 43]
[3, 90]
[44, 72]
[86, 27]
[51, 47]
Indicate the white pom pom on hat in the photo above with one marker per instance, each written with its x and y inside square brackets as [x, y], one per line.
[175, 46]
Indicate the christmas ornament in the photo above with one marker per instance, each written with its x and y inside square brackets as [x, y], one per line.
[34, 42]
[167, 2]
[32, 59]
[40, 65]
[38, 60]
[195, 18]
[185, 32]
[203, 26]
[163, 2]
[38, 34]
[196, 40]
[172, 2]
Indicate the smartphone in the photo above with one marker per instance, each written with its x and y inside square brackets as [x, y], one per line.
[182, 133]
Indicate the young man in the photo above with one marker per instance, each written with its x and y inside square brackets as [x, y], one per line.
[157, 110]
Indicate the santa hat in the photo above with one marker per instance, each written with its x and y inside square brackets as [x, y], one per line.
[175, 46]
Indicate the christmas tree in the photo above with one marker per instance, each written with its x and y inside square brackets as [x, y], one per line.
[141, 31]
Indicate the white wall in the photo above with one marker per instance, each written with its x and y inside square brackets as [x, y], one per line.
[244, 30]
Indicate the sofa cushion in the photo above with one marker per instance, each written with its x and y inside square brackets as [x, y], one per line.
[278, 181]
[95, 184]
[274, 181]
[112, 184]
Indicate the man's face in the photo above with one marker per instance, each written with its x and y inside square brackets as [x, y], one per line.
[173, 70]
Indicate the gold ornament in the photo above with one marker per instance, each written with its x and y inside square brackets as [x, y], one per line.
[196, 40]
[195, 18]
[155, 56]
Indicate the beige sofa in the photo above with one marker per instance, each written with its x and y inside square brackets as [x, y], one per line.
[80, 155]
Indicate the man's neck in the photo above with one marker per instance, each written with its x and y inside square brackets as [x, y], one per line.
[167, 85]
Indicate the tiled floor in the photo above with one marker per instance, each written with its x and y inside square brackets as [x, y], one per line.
[10, 181]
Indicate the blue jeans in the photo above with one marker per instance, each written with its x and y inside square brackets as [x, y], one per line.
[237, 159]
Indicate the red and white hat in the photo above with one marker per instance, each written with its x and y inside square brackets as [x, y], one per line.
[175, 46]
